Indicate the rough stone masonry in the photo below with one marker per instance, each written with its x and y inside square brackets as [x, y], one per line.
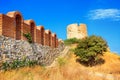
[11, 49]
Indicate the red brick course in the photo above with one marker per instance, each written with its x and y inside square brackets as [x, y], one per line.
[17, 22]
[41, 34]
[12, 25]
[1, 18]
[53, 37]
[48, 37]
[32, 26]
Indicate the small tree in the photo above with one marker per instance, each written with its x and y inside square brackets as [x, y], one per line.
[90, 49]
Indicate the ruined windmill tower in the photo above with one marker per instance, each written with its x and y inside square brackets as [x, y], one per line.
[78, 31]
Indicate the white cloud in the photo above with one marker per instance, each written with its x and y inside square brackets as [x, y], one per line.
[113, 14]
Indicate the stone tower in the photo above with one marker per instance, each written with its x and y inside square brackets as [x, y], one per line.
[76, 31]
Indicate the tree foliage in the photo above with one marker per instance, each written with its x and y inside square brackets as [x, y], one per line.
[71, 41]
[90, 49]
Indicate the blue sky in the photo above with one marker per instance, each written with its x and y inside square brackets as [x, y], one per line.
[102, 17]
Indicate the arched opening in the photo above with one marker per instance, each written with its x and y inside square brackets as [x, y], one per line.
[55, 41]
[45, 38]
[18, 27]
[42, 36]
[32, 31]
[49, 38]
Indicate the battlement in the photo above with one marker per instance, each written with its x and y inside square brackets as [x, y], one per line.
[13, 25]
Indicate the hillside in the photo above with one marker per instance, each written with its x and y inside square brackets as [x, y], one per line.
[67, 68]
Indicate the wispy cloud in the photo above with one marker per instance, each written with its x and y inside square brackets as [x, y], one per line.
[98, 14]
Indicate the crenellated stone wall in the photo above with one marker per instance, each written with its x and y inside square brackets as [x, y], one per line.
[13, 25]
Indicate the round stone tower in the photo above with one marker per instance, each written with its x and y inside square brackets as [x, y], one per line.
[78, 31]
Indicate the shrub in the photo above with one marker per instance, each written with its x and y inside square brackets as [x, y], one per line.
[28, 36]
[32, 63]
[90, 49]
[17, 64]
[5, 66]
[71, 41]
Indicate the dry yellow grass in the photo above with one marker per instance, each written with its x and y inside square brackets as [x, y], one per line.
[112, 64]
[70, 70]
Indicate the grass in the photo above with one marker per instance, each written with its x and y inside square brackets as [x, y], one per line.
[68, 69]
[61, 61]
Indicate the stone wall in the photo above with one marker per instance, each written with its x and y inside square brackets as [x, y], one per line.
[11, 49]
[76, 31]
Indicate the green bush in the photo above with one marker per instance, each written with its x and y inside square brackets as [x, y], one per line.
[32, 63]
[5, 66]
[28, 36]
[71, 41]
[17, 64]
[90, 49]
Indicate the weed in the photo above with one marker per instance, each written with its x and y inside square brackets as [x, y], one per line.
[17, 64]
[28, 36]
[61, 61]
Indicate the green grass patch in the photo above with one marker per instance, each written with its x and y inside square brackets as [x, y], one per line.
[71, 41]
[61, 61]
